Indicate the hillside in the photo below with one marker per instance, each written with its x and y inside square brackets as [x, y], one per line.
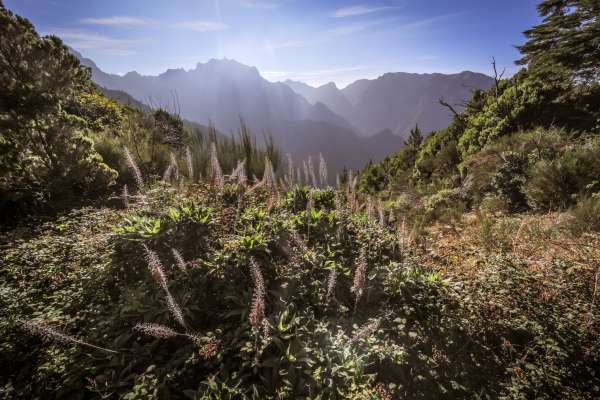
[260, 284]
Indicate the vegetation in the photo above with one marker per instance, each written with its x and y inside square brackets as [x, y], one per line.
[62, 140]
[465, 266]
[47, 105]
[530, 140]
[248, 292]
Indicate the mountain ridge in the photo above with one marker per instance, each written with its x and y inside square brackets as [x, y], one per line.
[397, 100]
[301, 119]
[222, 91]
[318, 131]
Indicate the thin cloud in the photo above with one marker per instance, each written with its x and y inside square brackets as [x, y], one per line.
[360, 9]
[329, 35]
[260, 4]
[427, 21]
[117, 20]
[202, 26]
[346, 30]
[82, 40]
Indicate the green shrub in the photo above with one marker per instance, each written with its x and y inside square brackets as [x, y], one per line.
[446, 205]
[297, 198]
[557, 183]
[549, 186]
[502, 168]
[494, 204]
[586, 216]
[509, 179]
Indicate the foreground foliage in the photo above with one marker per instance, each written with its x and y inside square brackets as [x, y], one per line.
[286, 296]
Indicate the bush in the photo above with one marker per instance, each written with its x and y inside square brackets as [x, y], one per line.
[494, 204]
[558, 183]
[447, 205]
[509, 179]
[548, 188]
[586, 216]
[502, 168]
[526, 101]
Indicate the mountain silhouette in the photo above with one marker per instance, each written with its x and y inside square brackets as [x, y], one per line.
[396, 101]
[364, 121]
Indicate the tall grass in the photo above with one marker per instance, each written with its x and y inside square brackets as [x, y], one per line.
[138, 153]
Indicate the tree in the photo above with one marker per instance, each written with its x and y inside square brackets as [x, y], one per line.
[415, 138]
[567, 42]
[170, 128]
[372, 178]
[44, 150]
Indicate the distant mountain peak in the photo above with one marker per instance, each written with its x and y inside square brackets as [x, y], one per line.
[396, 100]
[221, 90]
[173, 71]
[223, 66]
[329, 85]
[132, 74]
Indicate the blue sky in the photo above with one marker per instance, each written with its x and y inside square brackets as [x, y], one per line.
[312, 41]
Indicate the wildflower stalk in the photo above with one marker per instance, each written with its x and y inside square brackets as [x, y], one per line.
[367, 330]
[168, 172]
[257, 310]
[217, 173]
[331, 281]
[310, 205]
[323, 170]
[360, 277]
[175, 309]
[311, 171]
[306, 173]
[48, 332]
[290, 174]
[155, 266]
[158, 273]
[163, 332]
[156, 330]
[239, 173]
[137, 175]
[370, 209]
[381, 212]
[174, 166]
[402, 236]
[190, 163]
[268, 179]
[125, 196]
[179, 259]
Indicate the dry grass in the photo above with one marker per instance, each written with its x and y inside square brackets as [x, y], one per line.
[536, 241]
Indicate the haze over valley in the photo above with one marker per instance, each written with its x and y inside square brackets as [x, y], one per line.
[366, 120]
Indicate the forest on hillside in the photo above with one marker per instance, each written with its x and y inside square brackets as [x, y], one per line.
[146, 257]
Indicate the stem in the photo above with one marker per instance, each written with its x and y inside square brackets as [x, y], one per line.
[95, 347]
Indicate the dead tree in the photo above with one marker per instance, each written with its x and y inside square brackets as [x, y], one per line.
[449, 107]
[497, 77]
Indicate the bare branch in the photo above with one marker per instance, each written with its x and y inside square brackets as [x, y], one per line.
[497, 77]
[449, 106]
